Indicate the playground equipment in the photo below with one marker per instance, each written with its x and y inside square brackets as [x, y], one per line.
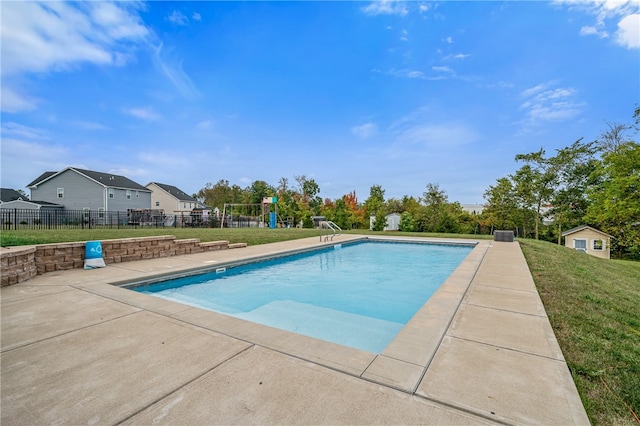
[251, 215]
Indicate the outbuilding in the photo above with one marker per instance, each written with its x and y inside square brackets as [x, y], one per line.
[588, 240]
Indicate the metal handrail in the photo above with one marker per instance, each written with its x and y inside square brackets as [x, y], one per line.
[329, 225]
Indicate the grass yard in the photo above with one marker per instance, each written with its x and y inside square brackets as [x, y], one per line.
[594, 308]
[251, 236]
[593, 305]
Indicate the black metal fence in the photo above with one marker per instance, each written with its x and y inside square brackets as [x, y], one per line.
[16, 219]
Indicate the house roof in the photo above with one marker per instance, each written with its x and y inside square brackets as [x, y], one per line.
[582, 227]
[177, 193]
[105, 179]
[8, 194]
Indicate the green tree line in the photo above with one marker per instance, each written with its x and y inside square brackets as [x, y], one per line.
[586, 183]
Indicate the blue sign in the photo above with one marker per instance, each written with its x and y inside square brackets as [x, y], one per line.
[93, 255]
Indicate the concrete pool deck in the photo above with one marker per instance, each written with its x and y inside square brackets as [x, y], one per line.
[76, 349]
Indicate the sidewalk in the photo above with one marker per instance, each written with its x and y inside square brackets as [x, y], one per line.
[76, 349]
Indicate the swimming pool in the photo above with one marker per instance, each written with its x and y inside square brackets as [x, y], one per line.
[358, 295]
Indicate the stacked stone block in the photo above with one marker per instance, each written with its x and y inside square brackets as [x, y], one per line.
[18, 265]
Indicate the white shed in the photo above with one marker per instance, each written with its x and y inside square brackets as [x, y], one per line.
[393, 222]
[589, 240]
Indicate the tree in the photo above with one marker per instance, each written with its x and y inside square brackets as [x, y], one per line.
[574, 166]
[374, 206]
[502, 206]
[357, 213]
[615, 136]
[258, 190]
[541, 179]
[615, 202]
[216, 195]
[434, 210]
[407, 222]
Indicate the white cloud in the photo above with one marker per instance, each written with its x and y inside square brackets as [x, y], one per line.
[544, 103]
[205, 124]
[146, 113]
[23, 161]
[431, 136]
[365, 131]
[60, 35]
[22, 131]
[592, 30]
[12, 101]
[442, 69]
[172, 69]
[386, 7]
[164, 159]
[628, 34]
[409, 73]
[90, 125]
[196, 17]
[448, 40]
[457, 56]
[178, 18]
[624, 14]
[41, 37]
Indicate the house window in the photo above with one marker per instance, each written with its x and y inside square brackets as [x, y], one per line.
[60, 192]
[100, 212]
[598, 245]
[157, 203]
[580, 245]
[137, 194]
[128, 194]
[111, 192]
[184, 205]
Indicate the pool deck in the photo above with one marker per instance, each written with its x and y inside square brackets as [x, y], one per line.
[77, 349]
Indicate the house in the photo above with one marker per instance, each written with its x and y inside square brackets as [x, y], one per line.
[7, 195]
[173, 201]
[170, 199]
[17, 208]
[87, 190]
[589, 240]
[393, 222]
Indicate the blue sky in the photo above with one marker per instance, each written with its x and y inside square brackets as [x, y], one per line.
[351, 94]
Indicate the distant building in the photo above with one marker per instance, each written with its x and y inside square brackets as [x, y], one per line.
[588, 240]
[393, 222]
[16, 208]
[473, 208]
[171, 199]
[7, 195]
[88, 190]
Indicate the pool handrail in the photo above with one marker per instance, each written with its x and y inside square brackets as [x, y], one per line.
[330, 226]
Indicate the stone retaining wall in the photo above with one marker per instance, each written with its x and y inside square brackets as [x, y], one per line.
[18, 265]
[23, 263]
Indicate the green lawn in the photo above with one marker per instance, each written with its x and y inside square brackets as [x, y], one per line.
[593, 305]
[594, 308]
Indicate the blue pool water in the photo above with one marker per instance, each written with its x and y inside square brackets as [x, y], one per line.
[359, 295]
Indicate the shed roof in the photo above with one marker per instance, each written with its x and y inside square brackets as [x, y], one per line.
[582, 227]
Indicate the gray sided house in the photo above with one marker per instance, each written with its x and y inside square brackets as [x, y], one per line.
[87, 190]
[17, 209]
